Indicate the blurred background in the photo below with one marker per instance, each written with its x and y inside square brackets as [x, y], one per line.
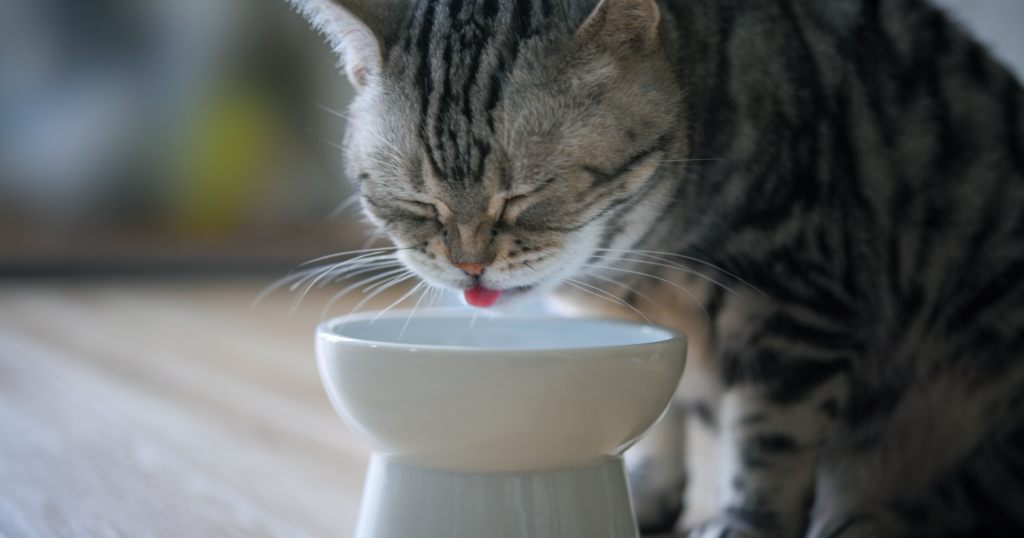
[165, 136]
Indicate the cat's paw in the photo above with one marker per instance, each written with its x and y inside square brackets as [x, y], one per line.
[725, 528]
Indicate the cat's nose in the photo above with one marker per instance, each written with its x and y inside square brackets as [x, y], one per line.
[475, 269]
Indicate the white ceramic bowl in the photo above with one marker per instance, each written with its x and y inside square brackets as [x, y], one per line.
[512, 394]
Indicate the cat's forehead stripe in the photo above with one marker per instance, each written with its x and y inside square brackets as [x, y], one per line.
[462, 48]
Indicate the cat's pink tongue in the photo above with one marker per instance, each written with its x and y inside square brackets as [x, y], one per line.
[481, 296]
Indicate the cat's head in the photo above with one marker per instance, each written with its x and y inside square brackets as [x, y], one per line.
[501, 143]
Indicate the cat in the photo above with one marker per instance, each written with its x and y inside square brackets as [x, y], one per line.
[825, 195]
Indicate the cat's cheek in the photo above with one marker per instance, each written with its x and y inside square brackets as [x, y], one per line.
[453, 284]
[424, 270]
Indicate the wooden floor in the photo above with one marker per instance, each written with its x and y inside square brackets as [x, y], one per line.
[167, 409]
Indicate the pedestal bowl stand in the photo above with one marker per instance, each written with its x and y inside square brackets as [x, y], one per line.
[503, 427]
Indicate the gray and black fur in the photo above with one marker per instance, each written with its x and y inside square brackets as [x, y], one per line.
[847, 178]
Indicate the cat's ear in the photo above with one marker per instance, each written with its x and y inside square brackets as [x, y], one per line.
[359, 32]
[620, 24]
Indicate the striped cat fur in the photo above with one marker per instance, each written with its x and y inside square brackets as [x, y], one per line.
[828, 196]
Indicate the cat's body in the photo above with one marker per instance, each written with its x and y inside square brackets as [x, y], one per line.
[852, 170]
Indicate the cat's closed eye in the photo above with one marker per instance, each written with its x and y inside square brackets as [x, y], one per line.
[513, 207]
[420, 209]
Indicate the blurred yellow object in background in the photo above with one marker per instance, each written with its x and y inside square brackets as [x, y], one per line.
[230, 149]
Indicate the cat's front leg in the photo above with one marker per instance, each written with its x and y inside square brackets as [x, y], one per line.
[773, 424]
[768, 455]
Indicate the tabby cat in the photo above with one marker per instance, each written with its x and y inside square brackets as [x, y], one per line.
[826, 195]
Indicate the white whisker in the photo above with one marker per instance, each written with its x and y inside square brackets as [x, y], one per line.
[347, 253]
[373, 239]
[363, 269]
[628, 288]
[331, 110]
[697, 260]
[396, 280]
[342, 271]
[670, 265]
[334, 298]
[566, 306]
[344, 205]
[656, 278]
[346, 118]
[306, 276]
[336, 267]
[277, 285]
[414, 307]
[400, 299]
[607, 296]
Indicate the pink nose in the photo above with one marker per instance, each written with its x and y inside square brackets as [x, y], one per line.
[475, 269]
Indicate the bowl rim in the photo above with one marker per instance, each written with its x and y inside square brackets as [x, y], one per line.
[325, 332]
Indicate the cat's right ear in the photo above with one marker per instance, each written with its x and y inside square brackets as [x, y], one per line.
[359, 32]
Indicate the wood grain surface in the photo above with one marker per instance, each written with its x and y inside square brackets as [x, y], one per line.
[168, 409]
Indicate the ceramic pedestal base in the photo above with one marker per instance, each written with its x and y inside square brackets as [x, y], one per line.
[400, 501]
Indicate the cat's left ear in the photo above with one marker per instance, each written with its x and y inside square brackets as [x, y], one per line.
[359, 31]
[620, 24]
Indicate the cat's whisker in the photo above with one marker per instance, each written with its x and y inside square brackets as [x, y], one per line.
[353, 272]
[313, 283]
[347, 253]
[339, 270]
[670, 265]
[606, 296]
[394, 281]
[332, 271]
[567, 308]
[627, 288]
[397, 153]
[683, 256]
[433, 296]
[360, 261]
[374, 236]
[344, 205]
[400, 299]
[369, 258]
[378, 284]
[342, 273]
[277, 285]
[334, 298]
[414, 307]
[384, 165]
[307, 275]
[331, 110]
[346, 118]
[656, 278]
